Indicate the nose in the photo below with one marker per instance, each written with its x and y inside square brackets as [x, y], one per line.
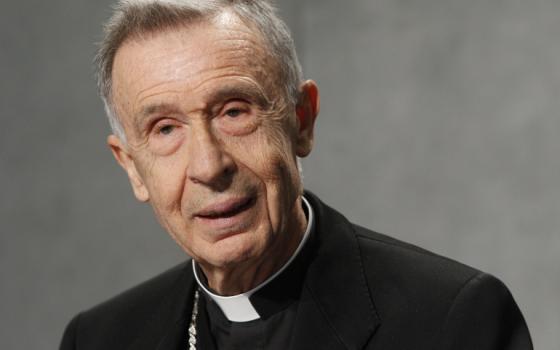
[208, 163]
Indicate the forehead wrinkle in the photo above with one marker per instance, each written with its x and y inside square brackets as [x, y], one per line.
[244, 43]
[249, 84]
[141, 110]
[227, 54]
[147, 92]
[234, 50]
[237, 43]
[142, 95]
[238, 58]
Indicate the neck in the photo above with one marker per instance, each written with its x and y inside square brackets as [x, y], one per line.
[245, 276]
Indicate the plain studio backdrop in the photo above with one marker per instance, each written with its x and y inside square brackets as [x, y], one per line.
[439, 125]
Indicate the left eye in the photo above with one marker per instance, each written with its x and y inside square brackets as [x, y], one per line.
[234, 112]
[166, 129]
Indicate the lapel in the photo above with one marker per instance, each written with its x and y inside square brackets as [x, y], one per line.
[167, 328]
[336, 310]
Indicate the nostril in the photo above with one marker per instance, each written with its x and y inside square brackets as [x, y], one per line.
[229, 169]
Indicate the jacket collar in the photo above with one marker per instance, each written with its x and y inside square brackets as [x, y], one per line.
[336, 310]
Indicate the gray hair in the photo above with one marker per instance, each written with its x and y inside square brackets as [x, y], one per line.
[133, 18]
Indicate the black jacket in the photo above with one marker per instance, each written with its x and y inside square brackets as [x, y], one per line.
[362, 290]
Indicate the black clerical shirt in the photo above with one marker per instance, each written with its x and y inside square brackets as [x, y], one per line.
[271, 333]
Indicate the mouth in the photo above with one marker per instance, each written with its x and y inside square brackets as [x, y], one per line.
[226, 209]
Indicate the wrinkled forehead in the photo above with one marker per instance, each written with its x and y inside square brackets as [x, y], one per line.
[188, 56]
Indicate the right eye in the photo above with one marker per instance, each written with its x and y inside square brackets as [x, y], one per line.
[166, 127]
[166, 136]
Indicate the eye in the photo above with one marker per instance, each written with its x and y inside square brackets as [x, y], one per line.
[166, 136]
[233, 112]
[166, 129]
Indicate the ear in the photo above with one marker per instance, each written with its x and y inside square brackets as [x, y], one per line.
[307, 110]
[125, 160]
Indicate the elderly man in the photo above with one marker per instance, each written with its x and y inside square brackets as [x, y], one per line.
[209, 115]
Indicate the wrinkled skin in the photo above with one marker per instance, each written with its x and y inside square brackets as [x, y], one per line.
[208, 130]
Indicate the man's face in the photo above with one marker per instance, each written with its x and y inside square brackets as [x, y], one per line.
[212, 142]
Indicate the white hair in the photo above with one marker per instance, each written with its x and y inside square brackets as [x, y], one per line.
[133, 18]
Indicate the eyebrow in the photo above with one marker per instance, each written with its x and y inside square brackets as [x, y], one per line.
[156, 108]
[246, 91]
[149, 110]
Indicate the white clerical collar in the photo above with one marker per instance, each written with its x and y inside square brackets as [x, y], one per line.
[238, 308]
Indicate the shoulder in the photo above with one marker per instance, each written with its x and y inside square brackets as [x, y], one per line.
[438, 300]
[148, 294]
[391, 267]
[120, 319]
[387, 258]
[408, 264]
[423, 300]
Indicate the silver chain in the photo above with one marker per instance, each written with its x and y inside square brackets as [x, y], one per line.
[192, 325]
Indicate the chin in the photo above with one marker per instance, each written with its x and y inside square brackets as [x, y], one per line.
[233, 250]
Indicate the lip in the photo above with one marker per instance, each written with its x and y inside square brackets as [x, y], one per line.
[225, 209]
[227, 218]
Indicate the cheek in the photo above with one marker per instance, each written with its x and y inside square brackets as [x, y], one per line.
[164, 178]
[166, 187]
[280, 161]
[270, 157]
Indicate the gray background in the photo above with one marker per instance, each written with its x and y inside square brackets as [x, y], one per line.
[439, 126]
